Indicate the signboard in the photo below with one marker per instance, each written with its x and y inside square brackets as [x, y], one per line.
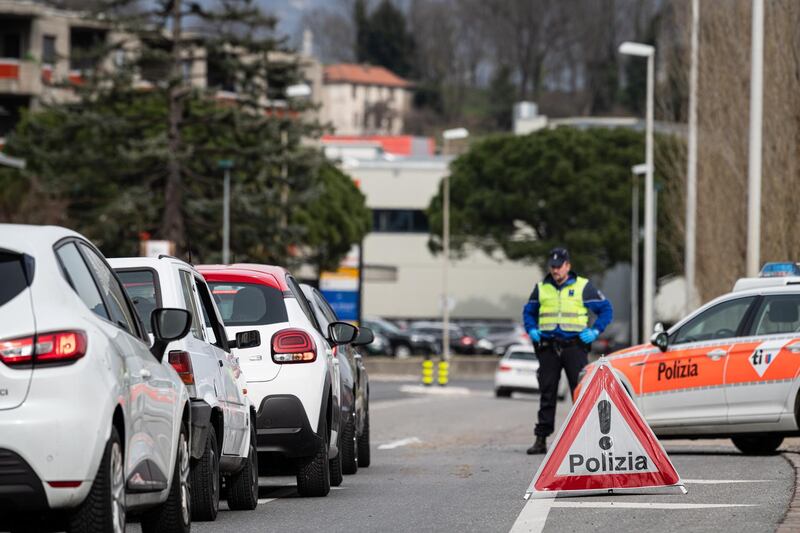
[149, 248]
[342, 288]
[604, 446]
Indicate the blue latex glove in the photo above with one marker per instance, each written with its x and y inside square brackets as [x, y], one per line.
[589, 335]
[535, 334]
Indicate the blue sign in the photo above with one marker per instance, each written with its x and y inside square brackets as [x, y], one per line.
[344, 303]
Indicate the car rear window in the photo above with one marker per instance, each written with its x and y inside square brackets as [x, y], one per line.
[522, 356]
[12, 272]
[249, 304]
[143, 290]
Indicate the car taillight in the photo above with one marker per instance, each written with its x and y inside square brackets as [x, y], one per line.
[504, 368]
[45, 348]
[182, 363]
[293, 346]
[467, 340]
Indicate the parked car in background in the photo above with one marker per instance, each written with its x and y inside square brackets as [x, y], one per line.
[379, 346]
[94, 423]
[460, 341]
[354, 450]
[518, 371]
[480, 332]
[505, 334]
[403, 343]
[223, 421]
[291, 372]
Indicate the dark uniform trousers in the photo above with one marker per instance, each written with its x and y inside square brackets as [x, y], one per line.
[572, 356]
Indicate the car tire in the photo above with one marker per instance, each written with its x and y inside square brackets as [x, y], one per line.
[363, 443]
[175, 514]
[243, 485]
[104, 508]
[349, 448]
[758, 444]
[313, 476]
[502, 392]
[402, 351]
[205, 481]
[335, 465]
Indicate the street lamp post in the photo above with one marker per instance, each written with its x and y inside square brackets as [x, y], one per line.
[647, 51]
[691, 171]
[636, 171]
[226, 165]
[447, 135]
[754, 163]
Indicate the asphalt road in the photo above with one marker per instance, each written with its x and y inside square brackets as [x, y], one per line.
[454, 459]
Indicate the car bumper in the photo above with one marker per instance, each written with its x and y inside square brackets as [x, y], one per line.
[21, 489]
[282, 426]
[516, 381]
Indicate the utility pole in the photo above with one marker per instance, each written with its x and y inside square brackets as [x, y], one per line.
[691, 171]
[226, 164]
[754, 166]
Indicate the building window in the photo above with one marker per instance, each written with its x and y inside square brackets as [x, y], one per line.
[11, 45]
[186, 70]
[399, 221]
[49, 49]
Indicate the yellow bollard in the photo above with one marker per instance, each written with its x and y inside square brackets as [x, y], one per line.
[427, 372]
[444, 368]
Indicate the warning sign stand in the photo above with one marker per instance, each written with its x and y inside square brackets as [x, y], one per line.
[604, 446]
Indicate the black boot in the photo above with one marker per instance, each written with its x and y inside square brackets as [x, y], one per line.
[539, 447]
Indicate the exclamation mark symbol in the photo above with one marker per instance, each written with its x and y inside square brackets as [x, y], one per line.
[604, 412]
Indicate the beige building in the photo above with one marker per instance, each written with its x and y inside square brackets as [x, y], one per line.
[364, 100]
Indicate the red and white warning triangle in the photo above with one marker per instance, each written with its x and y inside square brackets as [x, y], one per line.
[604, 446]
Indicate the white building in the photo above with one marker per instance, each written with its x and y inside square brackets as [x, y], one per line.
[364, 100]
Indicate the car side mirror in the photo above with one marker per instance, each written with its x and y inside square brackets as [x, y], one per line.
[246, 339]
[365, 336]
[660, 339]
[342, 333]
[168, 324]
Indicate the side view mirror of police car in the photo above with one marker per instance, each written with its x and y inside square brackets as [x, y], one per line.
[168, 324]
[660, 339]
[246, 339]
[342, 333]
[365, 336]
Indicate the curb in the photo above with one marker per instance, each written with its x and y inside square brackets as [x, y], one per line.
[791, 520]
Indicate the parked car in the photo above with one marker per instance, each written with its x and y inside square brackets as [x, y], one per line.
[223, 420]
[727, 370]
[518, 371]
[94, 422]
[480, 332]
[379, 346]
[502, 335]
[291, 372]
[403, 343]
[355, 450]
[460, 341]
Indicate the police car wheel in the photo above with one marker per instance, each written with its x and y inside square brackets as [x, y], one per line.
[502, 392]
[758, 444]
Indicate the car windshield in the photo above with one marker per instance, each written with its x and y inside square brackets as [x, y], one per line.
[522, 356]
[249, 304]
[142, 288]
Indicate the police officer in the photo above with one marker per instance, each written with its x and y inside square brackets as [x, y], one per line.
[557, 320]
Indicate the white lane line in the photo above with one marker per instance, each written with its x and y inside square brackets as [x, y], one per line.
[266, 500]
[436, 391]
[646, 505]
[533, 516]
[725, 481]
[399, 443]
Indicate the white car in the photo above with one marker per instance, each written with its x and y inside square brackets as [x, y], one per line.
[93, 423]
[292, 374]
[517, 371]
[223, 421]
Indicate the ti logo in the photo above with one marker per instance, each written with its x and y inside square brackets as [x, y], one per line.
[764, 355]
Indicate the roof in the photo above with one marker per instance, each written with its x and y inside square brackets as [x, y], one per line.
[363, 75]
[271, 275]
[406, 145]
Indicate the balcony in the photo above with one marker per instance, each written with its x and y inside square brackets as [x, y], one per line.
[18, 76]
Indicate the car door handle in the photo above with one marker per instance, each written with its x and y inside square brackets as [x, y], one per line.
[144, 373]
[717, 354]
[794, 348]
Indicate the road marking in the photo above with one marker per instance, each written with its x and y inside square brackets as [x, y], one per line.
[399, 443]
[725, 481]
[646, 505]
[533, 516]
[266, 500]
[436, 391]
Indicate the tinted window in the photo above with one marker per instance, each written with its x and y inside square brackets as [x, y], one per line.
[522, 356]
[249, 304]
[778, 314]
[81, 279]
[142, 288]
[294, 288]
[399, 221]
[190, 305]
[214, 329]
[720, 322]
[112, 291]
[12, 272]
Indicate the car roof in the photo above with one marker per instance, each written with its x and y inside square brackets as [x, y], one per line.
[146, 262]
[31, 239]
[273, 276]
[520, 348]
[775, 284]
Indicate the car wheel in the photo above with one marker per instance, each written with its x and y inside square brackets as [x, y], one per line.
[502, 392]
[758, 444]
[313, 476]
[243, 485]
[363, 443]
[349, 448]
[104, 508]
[205, 481]
[175, 514]
[402, 351]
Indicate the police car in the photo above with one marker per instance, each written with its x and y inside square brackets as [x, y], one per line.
[731, 369]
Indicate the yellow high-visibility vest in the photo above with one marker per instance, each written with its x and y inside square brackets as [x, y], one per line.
[563, 308]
